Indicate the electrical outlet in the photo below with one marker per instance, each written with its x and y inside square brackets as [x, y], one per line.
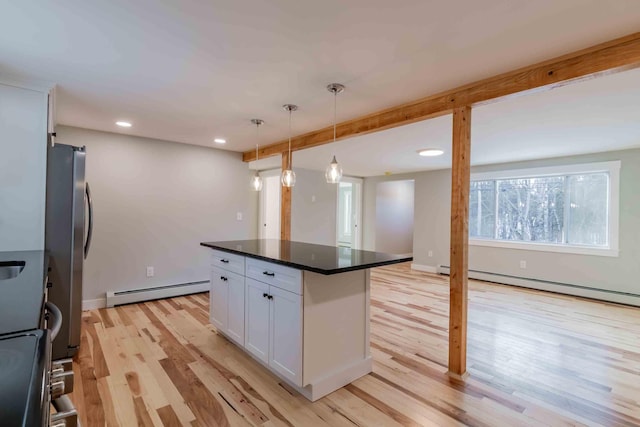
[239, 216]
[150, 272]
[430, 254]
[313, 199]
[523, 264]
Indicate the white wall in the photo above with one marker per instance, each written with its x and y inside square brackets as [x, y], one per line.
[369, 196]
[23, 159]
[394, 216]
[313, 221]
[155, 201]
[620, 274]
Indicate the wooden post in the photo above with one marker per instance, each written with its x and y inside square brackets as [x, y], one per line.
[458, 291]
[285, 204]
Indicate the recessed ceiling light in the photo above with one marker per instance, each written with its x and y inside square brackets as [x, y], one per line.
[124, 124]
[220, 141]
[431, 152]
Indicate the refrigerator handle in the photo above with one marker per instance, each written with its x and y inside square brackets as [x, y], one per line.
[87, 244]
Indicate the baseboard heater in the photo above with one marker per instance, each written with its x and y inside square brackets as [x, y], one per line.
[147, 294]
[545, 285]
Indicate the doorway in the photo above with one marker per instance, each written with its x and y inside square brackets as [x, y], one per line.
[270, 205]
[349, 213]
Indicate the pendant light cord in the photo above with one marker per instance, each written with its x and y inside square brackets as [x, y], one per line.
[257, 135]
[335, 113]
[289, 163]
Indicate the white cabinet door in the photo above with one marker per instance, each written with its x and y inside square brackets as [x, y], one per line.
[235, 325]
[23, 167]
[256, 338]
[285, 355]
[218, 299]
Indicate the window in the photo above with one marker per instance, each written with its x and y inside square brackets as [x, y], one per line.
[564, 209]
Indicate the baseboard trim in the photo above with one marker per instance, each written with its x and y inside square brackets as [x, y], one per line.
[337, 379]
[114, 298]
[92, 304]
[425, 268]
[457, 377]
[560, 288]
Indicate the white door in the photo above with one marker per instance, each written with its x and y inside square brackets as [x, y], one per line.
[256, 333]
[218, 298]
[349, 213]
[270, 205]
[285, 356]
[235, 324]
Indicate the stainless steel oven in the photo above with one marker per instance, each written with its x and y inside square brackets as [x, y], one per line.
[31, 382]
[25, 376]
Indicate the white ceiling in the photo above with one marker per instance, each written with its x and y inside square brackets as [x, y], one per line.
[192, 70]
[597, 115]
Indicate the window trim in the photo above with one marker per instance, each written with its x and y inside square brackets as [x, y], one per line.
[611, 167]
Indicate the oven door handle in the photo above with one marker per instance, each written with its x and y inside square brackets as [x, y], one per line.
[54, 319]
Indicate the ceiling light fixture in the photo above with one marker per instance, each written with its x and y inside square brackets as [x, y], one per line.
[123, 124]
[333, 174]
[431, 152]
[256, 180]
[288, 178]
[220, 141]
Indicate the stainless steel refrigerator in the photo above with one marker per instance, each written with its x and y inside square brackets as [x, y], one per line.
[68, 230]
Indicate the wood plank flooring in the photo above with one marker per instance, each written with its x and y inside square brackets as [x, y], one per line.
[535, 359]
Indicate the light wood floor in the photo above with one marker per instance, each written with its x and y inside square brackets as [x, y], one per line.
[535, 359]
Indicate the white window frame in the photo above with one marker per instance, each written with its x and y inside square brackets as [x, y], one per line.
[612, 168]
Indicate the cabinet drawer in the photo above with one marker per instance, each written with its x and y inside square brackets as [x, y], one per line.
[228, 261]
[287, 278]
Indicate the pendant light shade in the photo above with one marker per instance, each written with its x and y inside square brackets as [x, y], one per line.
[333, 174]
[256, 180]
[288, 177]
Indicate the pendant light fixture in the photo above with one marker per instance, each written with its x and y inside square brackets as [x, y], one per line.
[256, 180]
[288, 178]
[333, 174]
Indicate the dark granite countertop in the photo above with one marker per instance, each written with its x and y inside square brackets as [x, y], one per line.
[22, 298]
[306, 256]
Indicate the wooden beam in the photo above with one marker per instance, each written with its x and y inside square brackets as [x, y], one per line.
[606, 58]
[285, 204]
[458, 285]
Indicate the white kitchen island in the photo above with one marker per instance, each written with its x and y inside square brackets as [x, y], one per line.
[302, 310]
